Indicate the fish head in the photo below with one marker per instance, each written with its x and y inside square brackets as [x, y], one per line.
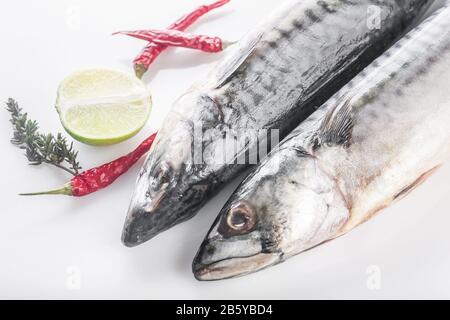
[170, 185]
[288, 205]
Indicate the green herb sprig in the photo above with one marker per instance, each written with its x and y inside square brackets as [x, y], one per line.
[41, 148]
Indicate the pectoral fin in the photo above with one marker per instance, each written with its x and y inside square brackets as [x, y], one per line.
[337, 125]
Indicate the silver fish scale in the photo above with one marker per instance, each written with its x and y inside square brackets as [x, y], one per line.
[286, 63]
[294, 68]
[430, 46]
[376, 140]
[274, 78]
[380, 103]
[431, 42]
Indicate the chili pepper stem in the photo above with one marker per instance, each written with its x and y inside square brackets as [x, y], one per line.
[226, 44]
[139, 70]
[66, 190]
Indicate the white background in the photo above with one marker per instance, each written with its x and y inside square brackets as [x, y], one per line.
[43, 241]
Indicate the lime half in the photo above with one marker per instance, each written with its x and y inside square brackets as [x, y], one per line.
[102, 107]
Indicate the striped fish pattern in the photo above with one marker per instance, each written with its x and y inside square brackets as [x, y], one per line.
[371, 144]
[273, 78]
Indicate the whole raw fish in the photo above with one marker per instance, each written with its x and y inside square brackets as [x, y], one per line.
[370, 145]
[273, 79]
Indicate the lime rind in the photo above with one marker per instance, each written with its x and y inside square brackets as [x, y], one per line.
[103, 107]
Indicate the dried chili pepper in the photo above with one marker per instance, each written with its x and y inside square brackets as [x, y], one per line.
[180, 39]
[100, 177]
[153, 50]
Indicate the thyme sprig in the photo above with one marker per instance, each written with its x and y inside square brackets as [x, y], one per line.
[41, 148]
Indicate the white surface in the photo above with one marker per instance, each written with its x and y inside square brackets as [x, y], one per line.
[45, 241]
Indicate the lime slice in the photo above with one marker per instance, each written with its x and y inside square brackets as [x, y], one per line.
[102, 107]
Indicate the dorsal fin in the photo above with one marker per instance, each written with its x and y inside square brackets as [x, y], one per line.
[337, 125]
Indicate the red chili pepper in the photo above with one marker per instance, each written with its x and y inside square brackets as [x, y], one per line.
[179, 39]
[100, 177]
[149, 54]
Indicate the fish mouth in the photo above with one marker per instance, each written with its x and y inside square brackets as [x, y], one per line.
[139, 228]
[145, 222]
[233, 267]
[159, 214]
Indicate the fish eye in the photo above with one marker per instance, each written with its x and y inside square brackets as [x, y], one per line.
[237, 220]
[241, 218]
